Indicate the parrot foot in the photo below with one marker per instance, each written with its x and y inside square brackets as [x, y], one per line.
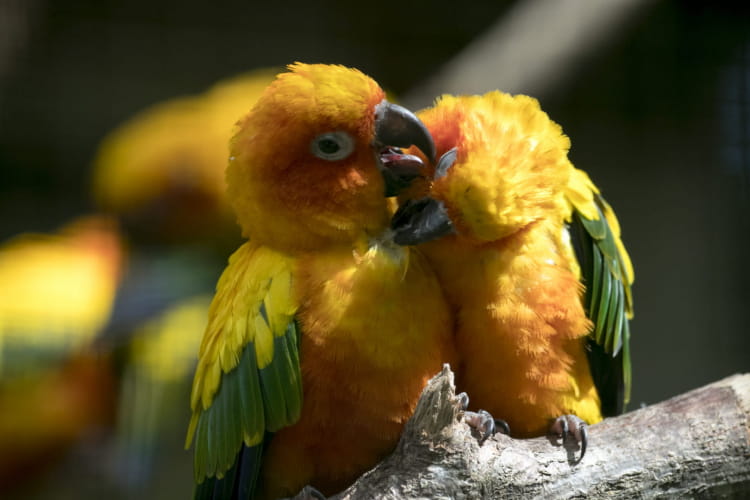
[567, 427]
[485, 425]
[481, 421]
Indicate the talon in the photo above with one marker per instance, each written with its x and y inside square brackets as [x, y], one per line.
[570, 426]
[463, 400]
[482, 422]
[502, 426]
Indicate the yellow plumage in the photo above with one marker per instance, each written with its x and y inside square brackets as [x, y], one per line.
[235, 319]
[510, 270]
[322, 330]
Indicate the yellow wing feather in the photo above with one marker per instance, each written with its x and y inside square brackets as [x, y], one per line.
[253, 303]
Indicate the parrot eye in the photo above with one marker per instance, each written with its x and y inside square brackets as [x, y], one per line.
[332, 146]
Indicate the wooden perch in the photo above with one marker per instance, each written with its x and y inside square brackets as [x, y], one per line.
[693, 445]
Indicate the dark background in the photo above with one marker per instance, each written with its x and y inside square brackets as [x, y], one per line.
[659, 115]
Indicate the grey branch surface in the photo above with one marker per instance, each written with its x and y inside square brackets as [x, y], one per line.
[696, 445]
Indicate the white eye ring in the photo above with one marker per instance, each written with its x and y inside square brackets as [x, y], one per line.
[332, 146]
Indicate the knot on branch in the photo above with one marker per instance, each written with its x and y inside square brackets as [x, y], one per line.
[438, 410]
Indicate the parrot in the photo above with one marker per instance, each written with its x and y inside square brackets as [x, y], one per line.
[56, 386]
[162, 171]
[322, 332]
[530, 257]
[158, 368]
[57, 292]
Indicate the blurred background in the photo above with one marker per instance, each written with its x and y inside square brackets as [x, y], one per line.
[102, 307]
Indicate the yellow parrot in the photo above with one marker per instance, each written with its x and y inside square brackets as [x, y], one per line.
[162, 171]
[322, 331]
[162, 174]
[55, 385]
[57, 291]
[530, 258]
[159, 366]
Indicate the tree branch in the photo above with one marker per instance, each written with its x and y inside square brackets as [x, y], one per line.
[693, 445]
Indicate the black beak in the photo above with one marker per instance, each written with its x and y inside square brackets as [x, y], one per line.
[397, 127]
[426, 219]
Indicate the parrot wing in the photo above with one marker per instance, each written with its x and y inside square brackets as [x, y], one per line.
[248, 380]
[607, 273]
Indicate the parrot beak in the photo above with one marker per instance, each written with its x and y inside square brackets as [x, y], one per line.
[426, 219]
[397, 127]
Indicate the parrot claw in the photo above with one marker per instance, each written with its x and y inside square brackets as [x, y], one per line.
[484, 424]
[570, 426]
[463, 401]
[502, 426]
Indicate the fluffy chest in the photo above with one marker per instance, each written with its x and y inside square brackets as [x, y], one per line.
[520, 269]
[375, 327]
[379, 306]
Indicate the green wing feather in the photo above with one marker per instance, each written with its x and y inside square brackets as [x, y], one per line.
[607, 274]
[248, 379]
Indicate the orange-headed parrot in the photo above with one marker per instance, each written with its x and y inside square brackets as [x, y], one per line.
[530, 258]
[322, 332]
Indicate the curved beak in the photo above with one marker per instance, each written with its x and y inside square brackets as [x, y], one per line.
[397, 127]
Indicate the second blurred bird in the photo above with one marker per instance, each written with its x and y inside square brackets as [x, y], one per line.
[162, 174]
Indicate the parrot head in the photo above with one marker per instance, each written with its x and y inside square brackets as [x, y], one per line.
[312, 163]
[503, 165]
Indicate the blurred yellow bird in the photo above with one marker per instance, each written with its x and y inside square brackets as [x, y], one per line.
[162, 174]
[57, 290]
[155, 383]
[162, 171]
[56, 296]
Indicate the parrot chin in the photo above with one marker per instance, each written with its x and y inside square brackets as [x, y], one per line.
[396, 127]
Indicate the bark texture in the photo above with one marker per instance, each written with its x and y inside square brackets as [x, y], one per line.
[696, 445]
